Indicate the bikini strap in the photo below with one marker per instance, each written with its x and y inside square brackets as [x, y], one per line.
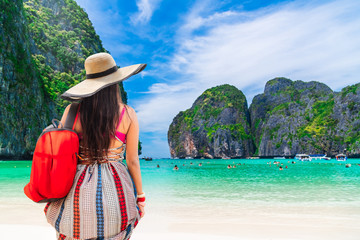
[121, 116]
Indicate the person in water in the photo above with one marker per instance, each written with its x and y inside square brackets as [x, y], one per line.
[106, 200]
[176, 167]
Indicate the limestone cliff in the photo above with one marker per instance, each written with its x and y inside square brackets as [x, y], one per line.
[290, 117]
[61, 37]
[305, 117]
[43, 46]
[22, 99]
[216, 126]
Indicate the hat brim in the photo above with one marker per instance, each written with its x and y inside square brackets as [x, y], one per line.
[89, 87]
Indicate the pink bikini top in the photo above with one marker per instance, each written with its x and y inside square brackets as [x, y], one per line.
[118, 135]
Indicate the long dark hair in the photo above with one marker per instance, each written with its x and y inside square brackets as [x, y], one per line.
[99, 116]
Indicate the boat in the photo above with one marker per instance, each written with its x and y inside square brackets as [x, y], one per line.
[147, 158]
[319, 157]
[252, 157]
[341, 157]
[302, 157]
[188, 158]
[279, 158]
[225, 158]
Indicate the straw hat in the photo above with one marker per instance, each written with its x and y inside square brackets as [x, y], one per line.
[101, 72]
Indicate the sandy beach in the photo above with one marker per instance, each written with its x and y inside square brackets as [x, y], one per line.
[308, 201]
[25, 219]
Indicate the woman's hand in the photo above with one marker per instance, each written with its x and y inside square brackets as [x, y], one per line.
[141, 203]
[142, 208]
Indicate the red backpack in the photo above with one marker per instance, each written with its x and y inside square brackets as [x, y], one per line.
[54, 161]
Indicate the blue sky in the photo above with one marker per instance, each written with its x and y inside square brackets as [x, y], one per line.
[190, 46]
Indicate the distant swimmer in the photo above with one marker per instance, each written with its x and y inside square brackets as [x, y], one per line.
[228, 166]
[176, 167]
[286, 166]
[234, 166]
[200, 164]
[158, 166]
[184, 165]
[191, 163]
[281, 168]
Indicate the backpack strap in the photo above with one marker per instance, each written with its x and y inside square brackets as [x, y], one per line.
[72, 116]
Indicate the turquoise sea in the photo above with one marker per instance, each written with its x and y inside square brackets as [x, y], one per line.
[252, 183]
[255, 200]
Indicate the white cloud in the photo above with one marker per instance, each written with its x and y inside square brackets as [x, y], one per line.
[146, 9]
[246, 49]
[156, 112]
[194, 21]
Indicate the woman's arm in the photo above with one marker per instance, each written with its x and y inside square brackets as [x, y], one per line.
[132, 158]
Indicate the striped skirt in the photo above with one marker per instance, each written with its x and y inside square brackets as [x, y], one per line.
[100, 205]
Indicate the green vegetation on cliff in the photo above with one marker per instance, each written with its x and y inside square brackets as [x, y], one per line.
[64, 37]
[44, 44]
[219, 114]
[310, 116]
[290, 117]
[22, 97]
[349, 120]
[212, 102]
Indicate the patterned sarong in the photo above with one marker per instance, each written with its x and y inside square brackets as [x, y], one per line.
[100, 205]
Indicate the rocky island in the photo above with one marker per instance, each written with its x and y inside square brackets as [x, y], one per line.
[290, 117]
[217, 125]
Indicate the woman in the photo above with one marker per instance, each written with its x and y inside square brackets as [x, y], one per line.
[106, 199]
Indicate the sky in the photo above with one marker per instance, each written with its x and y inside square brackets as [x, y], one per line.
[190, 46]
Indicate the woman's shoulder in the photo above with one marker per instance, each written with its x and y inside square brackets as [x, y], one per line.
[130, 111]
[67, 108]
[66, 111]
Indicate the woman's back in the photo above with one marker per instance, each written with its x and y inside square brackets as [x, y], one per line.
[118, 140]
[102, 202]
[123, 126]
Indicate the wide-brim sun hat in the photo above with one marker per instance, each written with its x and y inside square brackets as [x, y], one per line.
[101, 72]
